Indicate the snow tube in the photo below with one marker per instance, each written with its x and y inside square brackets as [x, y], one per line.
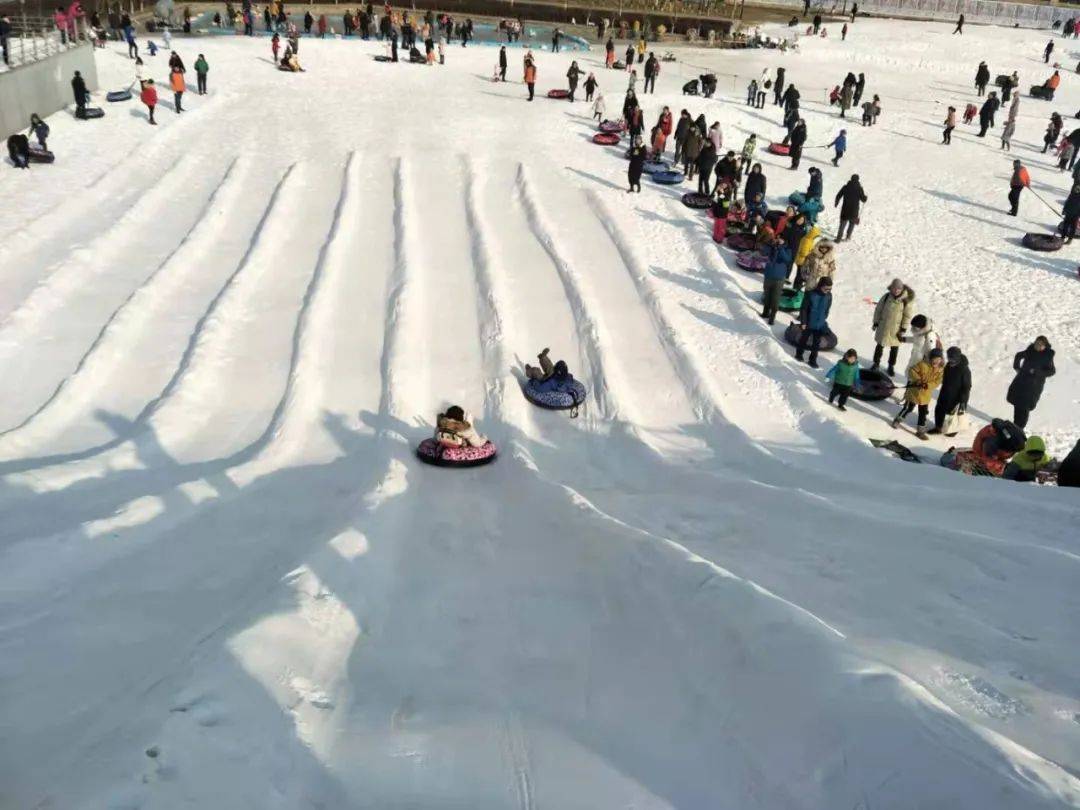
[384, 59]
[668, 178]
[779, 148]
[432, 452]
[617, 65]
[752, 260]
[694, 200]
[118, 95]
[1003, 79]
[874, 384]
[794, 332]
[571, 396]
[608, 125]
[741, 241]
[1038, 91]
[39, 155]
[558, 93]
[91, 112]
[796, 198]
[790, 299]
[653, 166]
[736, 227]
[1043, 242]
[605, 138]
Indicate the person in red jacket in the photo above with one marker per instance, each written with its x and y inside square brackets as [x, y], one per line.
[149, 98]
[1018, 182]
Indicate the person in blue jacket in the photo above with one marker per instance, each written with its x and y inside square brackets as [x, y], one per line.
[816, 189]
[811, 208]
[814, 317]
[776, 273]
[840, 145]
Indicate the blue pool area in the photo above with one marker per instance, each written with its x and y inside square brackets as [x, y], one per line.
[537, 37]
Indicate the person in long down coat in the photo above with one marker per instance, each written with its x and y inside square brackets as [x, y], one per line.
[955, 387]
[852, 196]
[892, 316]
[1033, 365]
[637, 166]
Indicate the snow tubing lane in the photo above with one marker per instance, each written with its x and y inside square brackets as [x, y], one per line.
[790, 300]
[1044, 242]
[741, 241]
[118, 95]
[699, 201]
[91, 112]
[610, 126]
[558, 94]
[39, 155]
[874, 384]
[654, 166]
[606, 138]
[794, 332]
[667, 178]
[564, 400]
[751, 260]
[431, 452]
[779, 149]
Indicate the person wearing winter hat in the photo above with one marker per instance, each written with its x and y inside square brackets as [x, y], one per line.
[839, 144]
[955, 387]
[923, 378]
[892, 315]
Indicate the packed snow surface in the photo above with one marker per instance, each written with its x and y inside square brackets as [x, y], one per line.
[228, 583]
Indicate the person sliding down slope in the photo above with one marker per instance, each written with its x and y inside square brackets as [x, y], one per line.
[455, 429]
[548, 377]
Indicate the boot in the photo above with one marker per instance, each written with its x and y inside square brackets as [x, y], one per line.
[921, 433]
[891, 371]
[896, 423]
[934, 431]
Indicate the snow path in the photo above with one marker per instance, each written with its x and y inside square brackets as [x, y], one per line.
[228, 582]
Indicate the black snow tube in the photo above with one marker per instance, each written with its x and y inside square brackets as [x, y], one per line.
[384, 59]
[874, 384]
[690, 88]
[779, 148]
[118, 95]
[794, 332]
[694, 200]
[39, 155]
[1039, 91]
[617, 65]
[1045, 242]
[773, 217]
[569, 397]
[606, 138]
[668, 178]
[90, 112]
[558, 93]
[654, 166]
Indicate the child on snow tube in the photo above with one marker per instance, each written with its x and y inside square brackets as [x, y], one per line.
[552, 386]
[454, 429]
[456, 442]
[1029, 462]
[990, 451]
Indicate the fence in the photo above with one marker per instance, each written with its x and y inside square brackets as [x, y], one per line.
[1026, 15]
[33, 39]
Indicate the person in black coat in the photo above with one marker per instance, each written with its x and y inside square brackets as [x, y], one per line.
[986, 114]
[1069, 471]
[1033, 365]
[702, 125]
[791, 118]
[778, 86]
[791, 98]
[637, 166]
[755, 183]
[982, 78]
[817, 184]
[955, 387]
[651, 66]
[852, 196]
[705, 163]
[817, 24]
[502, 63]
[78, 88]
[796, 141]
[727, 173]
[1070, 212]
[860, 88]
[19, 150]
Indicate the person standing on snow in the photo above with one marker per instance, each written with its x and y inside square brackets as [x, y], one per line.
[178, 85]
[778, 86]
[1033, 366]
[636, 167]
[716, 137]
[502, 63]
[530, 74]
[590, 87]
[572, 76]
[652, 69]
[959, 26]
[955, 388]
[891, 318]
[839, 144]
[1006, 135]
[1017, 183]
[982, 78]
[756, 183]
[922, 380]
[846, 97]
[201, 69]
[798, 139]
[814, 317]
[746, 157]
[705, 163]
[148, 96]
[629, 57]
[860, 88]
[681, 130]
[691, 152]
[774, 276]
[923, 340]
[599, 107]
[609, 53]
[81, 94]
[816, 189]
[1070, 212]
[852, 196]
[986, 113]
[1049, 49]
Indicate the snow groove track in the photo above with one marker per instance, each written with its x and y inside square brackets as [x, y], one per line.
[35, 341]
[125, 325]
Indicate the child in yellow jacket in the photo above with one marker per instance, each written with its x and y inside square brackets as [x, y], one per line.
[923, 378]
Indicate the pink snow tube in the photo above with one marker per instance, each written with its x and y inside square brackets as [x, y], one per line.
[741, 241]
[606, 138]
[441, 455]
[751, 260]
[608, 125]
[779, 148]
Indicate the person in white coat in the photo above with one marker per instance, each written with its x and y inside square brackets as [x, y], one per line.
[599, 107]
[140, 72]
[716, 136]
[923, 339]
[455, 428]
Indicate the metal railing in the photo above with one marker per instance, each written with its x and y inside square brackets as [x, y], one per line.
[35, 38]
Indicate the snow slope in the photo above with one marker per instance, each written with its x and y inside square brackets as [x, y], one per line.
[227, 582]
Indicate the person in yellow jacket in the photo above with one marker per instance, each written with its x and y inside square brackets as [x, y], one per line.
[176, 81]
[923, 378]
[1029, 462]
[806, 245]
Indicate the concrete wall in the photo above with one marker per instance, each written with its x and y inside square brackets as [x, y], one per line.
[42, 87]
